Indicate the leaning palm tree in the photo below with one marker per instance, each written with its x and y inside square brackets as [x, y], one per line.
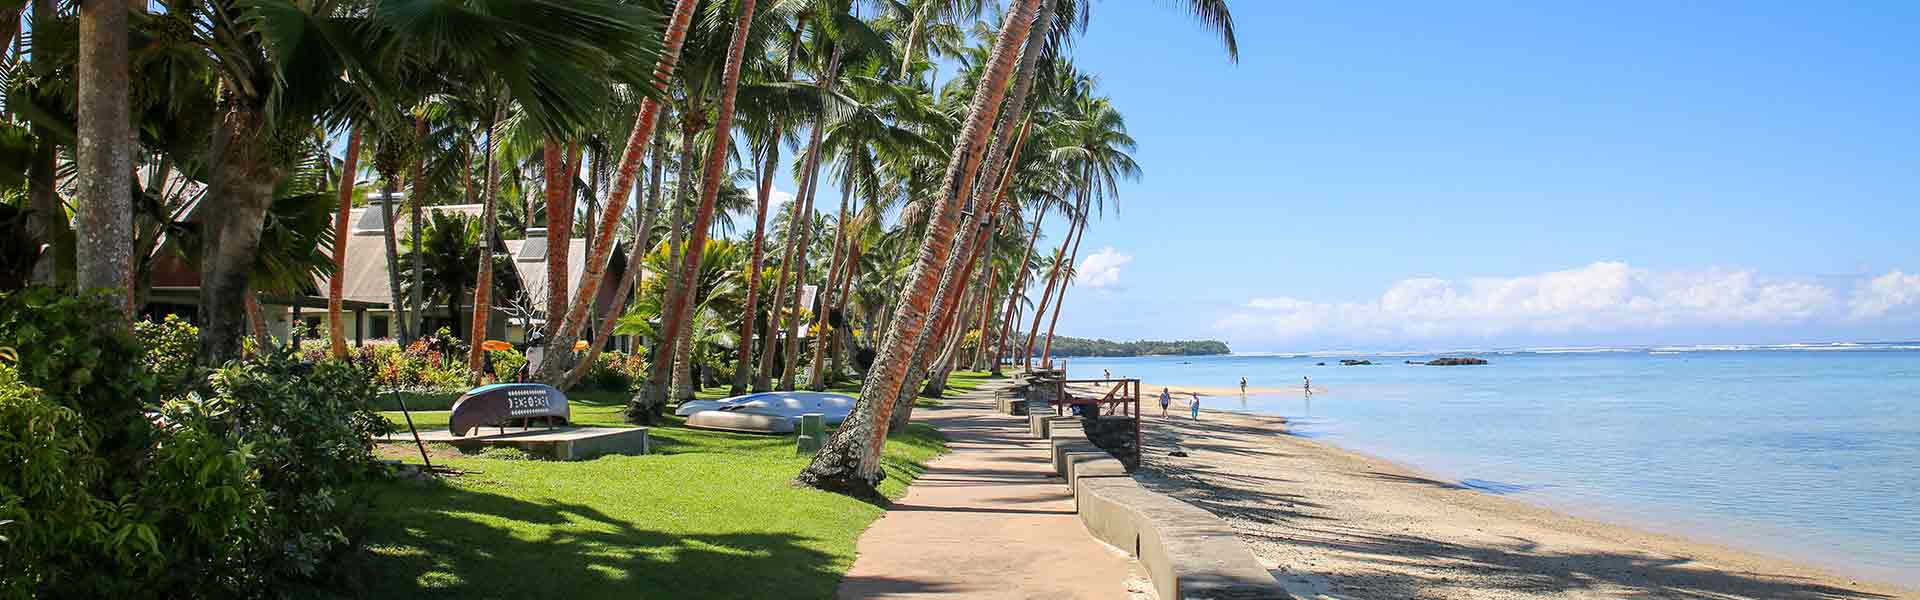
[1100, 149]
[849, 461]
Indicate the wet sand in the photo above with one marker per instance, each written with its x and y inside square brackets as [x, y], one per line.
[1338, 524]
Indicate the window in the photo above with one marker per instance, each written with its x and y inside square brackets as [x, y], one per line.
[380, 327]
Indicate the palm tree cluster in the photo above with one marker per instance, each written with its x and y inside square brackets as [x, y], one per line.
[652, 129]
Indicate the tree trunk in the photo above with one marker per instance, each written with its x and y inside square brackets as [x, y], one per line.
[817, 379]
[104, 155]
[241, 179]
[743, 369]
[417, 199]
[1046, 355]
[49, 218]
[850, 460]
[490, 222]
[653, 395]
[257, 320]
[600, 248]
[642, 235]
[799, 224]
[715, 173]
[1053, 277]
[337, 326]
[559, 226]
[399, 316]
[993, 219]
[1019, 289]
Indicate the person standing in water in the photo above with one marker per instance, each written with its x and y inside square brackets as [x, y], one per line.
[1306, 383]
[1243, 386]
[1166, 400]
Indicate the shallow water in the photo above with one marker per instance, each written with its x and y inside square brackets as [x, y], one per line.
[1813, 455]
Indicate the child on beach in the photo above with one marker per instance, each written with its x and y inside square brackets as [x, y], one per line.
[1166, 400]
[1195, 406]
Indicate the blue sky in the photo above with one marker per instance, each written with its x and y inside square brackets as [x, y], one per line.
[1432, 175]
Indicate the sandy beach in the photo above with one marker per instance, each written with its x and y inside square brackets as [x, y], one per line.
[1331, 523]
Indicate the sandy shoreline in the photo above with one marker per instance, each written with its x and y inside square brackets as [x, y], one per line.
[1338, 524]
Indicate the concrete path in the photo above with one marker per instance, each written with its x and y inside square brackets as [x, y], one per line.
[987, 520]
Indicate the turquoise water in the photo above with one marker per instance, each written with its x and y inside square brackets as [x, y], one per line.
[1806, 452]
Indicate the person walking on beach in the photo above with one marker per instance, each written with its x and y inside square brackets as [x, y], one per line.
[1166, 400]
[1306, 383]
[1195, 405]
[1243, 386]
[1106, 374]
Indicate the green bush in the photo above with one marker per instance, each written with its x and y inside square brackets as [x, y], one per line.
[249, 484]
[310, 428]
[506, 362]
[174, 521]
[614, 371]
[64, 350]
[171, 347]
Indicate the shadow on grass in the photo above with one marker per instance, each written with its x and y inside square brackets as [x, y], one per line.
[445, 541]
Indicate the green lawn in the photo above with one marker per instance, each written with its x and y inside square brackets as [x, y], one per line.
[709, 515]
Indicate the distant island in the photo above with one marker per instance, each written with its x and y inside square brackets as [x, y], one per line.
[1070, 346]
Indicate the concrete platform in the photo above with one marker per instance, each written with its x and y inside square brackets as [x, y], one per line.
[559, 443]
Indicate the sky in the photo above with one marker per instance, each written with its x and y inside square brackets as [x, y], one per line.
[1391, 175]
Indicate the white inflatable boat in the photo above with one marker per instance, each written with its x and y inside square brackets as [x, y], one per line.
[770, 412]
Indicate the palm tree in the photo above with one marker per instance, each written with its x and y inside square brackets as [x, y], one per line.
[849, 461]
[349, 168]
[1100, 149]
[104, 157]
[600, 246]
[710, 189]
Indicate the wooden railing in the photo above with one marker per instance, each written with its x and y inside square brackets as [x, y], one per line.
[1121, 397]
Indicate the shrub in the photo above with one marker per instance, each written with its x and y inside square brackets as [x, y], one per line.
[171, 347]
[613, 371]
[250, 485]
[506, 363]
[310, 428]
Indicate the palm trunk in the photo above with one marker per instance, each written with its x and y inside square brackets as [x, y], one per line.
[1053, 277]
[244, 178]
[799, 225]
[628, 280]
[399, 316]
[600, 249]
[763, 379]
[843, 336]
[805, 225]
[336, 326]
[653, 395]
[715, 172]
[257, 320]
[1046, 355]
[483, 283]
[416, 199]
[849, 462]
[817, 379]
[104, 156]
[743, 367]
[559, 227]
[993, 218]
[1014, 293]
[49, 216]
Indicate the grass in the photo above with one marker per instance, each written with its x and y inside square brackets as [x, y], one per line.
[709, 515]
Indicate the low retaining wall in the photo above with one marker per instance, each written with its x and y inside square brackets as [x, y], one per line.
[1190, 553]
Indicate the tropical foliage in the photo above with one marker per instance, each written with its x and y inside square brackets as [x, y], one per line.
[642, 135]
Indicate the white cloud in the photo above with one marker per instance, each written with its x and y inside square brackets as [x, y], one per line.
[778, 197]
[1885, 294]
[1102, 269]
[1598, 298]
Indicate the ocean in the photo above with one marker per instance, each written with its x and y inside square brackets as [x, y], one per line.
[1809, 452]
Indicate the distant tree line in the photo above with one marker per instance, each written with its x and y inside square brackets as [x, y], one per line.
[1071, 346]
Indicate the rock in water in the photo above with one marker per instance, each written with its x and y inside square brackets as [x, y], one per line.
[1456, 361]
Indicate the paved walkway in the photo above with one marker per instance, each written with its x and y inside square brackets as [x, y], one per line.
[987, 520]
